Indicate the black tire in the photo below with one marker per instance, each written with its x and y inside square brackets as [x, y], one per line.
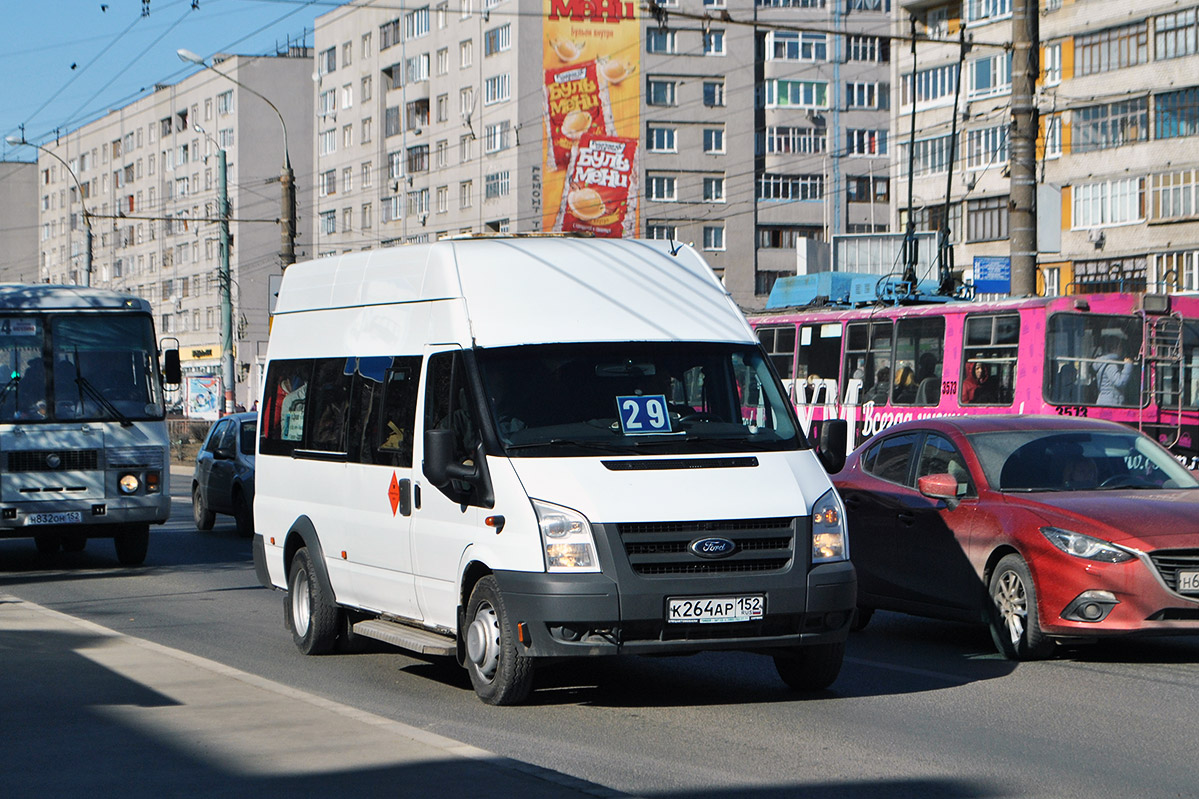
[811, 668]
[74, 542]
[243, 514]
[1015, 626]
[132, 544]
[48, 544]
[861, 618]
[500, 674]
[311, 615]
[201, 513]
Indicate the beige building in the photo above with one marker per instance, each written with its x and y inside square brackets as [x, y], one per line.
[1118, 154]
[148, 175]
[18, 220]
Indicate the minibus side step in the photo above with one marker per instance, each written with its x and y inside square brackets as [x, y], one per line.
[413, 639]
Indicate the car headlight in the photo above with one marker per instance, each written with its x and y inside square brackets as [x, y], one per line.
[566, 539]
[1085, 546]
[829, 542]
[128, 483]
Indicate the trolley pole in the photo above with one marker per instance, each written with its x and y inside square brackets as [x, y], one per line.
[1022, 217]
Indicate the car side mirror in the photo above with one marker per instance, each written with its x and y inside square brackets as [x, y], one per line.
[223, 453]
[831, 449]
[941, 486]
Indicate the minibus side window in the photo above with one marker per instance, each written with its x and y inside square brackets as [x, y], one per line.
[284, 398]
[449, 406]
[397, 420]
[328, 400]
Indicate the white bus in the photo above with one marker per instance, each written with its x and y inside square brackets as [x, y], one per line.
[510, 450]
[83, 438]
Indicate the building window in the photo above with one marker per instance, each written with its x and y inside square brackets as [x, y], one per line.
[367, 219]
[659, 41]
[713, 93]
[1175, 195]
[443, 61]
[714, 43]
[787, 139]
[990, 76]
[497, 40]
[660, 92]
[927, 85]
[391, 121]
[714, 190]
[866, 142]
[1099, 127]
[790, 187]
[389, 34]
[1176, 35]
[328, 222]
[713, 140]
[224, 103]
[418, 202]
[497, 137]
[867, 95]
[714, 237]
[466, 53]
[418, 158]
[662, 188]
[1051, 64]
[326, 62]
[496, 89]
[986, 10]
[874, 49]
[391, 209]
[417, 114]
[1108, 202]
[661, 140]
[986, 147]
[1176, 114]
[466, 192]
[328, 183]
[368, 170]
[416, 23]
[1052, 125]
[443, 153]
[987, 219]
[867, 189]
[1114, 48]
[347, 219]
[660, 231]
[796, 46]
[395, 165]
[496, 185]
[417, 68]
[796, 94]
[366, 88]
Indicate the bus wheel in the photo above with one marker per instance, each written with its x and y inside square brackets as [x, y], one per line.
[74, 542]
[47, 544]
[132, 543]
[811, 668]
[201, 513]
[500, 674]
[310, 615]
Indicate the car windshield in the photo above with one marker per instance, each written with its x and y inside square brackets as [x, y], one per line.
[1074, 460]
[646, 397]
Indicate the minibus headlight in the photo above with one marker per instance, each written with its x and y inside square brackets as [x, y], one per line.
[566, 539]
[128, 483]
[829, 542]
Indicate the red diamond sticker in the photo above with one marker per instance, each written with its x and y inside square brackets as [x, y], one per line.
[393, 493]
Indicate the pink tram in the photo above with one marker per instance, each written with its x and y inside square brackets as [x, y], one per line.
[1131, 358]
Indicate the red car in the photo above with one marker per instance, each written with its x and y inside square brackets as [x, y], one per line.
[1046, 528]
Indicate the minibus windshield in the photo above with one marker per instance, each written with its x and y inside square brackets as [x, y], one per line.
[554, 400]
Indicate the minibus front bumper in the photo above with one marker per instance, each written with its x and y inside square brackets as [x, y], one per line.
[569, 615]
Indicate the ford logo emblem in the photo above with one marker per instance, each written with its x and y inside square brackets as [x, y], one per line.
[53, 460]
[712, 547]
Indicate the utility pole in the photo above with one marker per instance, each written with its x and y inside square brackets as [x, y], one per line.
[1022, 150]
[287, 214]
[226, 283]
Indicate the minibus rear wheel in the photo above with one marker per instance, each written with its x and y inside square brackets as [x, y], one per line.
[311, 616]
[500, 674]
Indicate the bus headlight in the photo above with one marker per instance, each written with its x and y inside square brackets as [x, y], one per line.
[566, 539]
[829, 542]
[129, 483]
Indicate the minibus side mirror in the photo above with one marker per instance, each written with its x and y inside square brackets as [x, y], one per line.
[833, 433]
[443, 469]
[172, 372]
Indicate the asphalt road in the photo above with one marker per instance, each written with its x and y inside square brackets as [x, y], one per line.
[922, 708]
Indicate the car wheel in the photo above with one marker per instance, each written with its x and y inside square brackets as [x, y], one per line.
[861, 618]
[500, 674]
[131, 544]
[47, 544]
[311, 614]
[811, 668]
[243, 514]
[201, 513]
[1014, 622]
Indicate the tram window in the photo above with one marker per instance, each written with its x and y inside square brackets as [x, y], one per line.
[1169, 382]
[989, 359]
[817, 361]
[919, 355]
[779, 343]
[868, 359]
[1085, 360]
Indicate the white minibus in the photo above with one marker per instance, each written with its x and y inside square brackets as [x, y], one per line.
[509, 450]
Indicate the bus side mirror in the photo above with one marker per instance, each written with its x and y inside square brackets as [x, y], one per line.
[172, 372]
[833, 433]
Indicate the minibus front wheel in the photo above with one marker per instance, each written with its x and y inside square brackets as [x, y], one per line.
[311, 616]
[500, 674]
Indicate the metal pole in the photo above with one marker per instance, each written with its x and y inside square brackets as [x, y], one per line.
[226, 284]
[287, 216]
[1022, 217]
[87, 218]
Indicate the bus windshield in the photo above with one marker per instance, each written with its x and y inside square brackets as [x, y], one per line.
[78, 367]
[652, 398]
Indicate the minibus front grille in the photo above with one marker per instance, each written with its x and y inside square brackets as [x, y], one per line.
[1169, 562]
[663, 548]
[58, 460]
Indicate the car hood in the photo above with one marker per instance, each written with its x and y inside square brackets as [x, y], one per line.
[1142, 519]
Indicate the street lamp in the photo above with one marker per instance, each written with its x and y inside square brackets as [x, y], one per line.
[87, 218]
[287, 217]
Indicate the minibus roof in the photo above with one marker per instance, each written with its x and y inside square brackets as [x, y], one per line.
[46, 297]
[519, 290]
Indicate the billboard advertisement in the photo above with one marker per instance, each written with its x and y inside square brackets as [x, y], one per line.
[591, 56]
[204, 397]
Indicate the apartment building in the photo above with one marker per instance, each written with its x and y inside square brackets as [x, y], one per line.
[759, 126]
[18, 221]
[148, 175]
[1117, 156]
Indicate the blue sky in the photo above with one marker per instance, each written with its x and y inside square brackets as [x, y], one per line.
[118, 53]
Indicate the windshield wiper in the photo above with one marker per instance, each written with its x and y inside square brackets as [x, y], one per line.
[101, 400]
[602, 446]
[12, 383]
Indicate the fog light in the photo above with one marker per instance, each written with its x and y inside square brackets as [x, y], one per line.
[128, 483]
[1091, 611]
[1090, 606]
